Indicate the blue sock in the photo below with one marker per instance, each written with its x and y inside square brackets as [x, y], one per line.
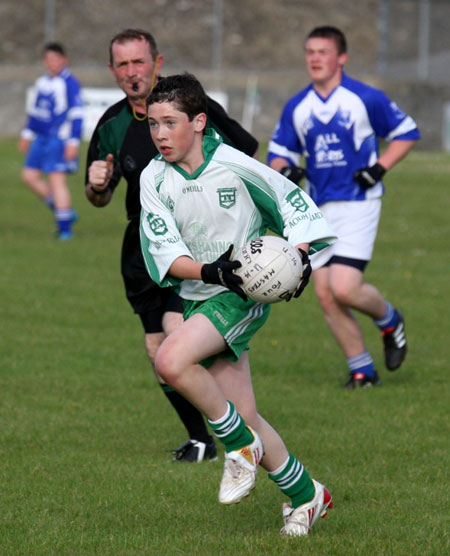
[362, 363]
[64, 220]
[389, 320]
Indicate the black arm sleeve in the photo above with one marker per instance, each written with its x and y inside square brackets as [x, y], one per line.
[93, 153]
[231, 131]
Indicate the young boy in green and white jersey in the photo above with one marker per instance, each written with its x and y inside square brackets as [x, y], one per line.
[199, 199]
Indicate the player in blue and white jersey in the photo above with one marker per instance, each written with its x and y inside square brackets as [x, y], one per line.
[51, 136]
[335, 123]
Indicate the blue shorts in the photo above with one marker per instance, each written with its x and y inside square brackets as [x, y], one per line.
[46, 153]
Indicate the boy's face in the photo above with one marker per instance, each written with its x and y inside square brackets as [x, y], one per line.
[323, 61]
[176, 138]
[54, 62]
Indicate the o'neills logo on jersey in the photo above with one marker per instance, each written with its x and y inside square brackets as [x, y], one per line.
[192, 189]
[227, 197]
[157, 224]
[296, 200]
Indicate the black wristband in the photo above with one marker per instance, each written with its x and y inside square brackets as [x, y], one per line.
[98, 191]
[205, 273]
[378, 170]
[293, 173]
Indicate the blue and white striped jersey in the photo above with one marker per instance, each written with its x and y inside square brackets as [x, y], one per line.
[338, 135]
[55, 108]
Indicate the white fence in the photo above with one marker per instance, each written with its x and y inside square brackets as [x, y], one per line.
[98, 99]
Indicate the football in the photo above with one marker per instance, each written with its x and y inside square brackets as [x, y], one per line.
[271, 269]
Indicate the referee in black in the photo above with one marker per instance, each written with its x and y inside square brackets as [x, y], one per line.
[121, 146]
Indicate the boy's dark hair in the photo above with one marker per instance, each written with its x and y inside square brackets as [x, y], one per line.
[55, 47]
[133, 35]
[184, 90]
[329, 32]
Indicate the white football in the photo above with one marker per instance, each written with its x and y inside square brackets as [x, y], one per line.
[271, 269]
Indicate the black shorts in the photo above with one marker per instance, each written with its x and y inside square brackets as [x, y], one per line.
[148, 300]
[152, 320]
[348, 261]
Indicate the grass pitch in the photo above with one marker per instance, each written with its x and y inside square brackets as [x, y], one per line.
[85, 431]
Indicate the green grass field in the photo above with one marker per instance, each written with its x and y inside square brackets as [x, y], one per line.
[85, 430]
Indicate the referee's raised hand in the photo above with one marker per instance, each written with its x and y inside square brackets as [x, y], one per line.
[100, 172]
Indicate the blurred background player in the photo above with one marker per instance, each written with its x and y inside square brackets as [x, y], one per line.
[206, 357]
[53, 129]
[122, 146]
[335, 123]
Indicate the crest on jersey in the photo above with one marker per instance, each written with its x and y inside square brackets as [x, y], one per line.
[398, 112]
[296, 200]
[227, 196]
[344, 118]
[170, 203]
[157, 224]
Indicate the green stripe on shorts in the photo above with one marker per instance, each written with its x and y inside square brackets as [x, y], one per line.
[235, 319]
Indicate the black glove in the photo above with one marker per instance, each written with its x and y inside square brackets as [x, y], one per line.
[368, 177]
[306, 273]
[221, 272]
[293, 173]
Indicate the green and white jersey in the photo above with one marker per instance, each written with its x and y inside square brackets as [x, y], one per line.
[230, 199]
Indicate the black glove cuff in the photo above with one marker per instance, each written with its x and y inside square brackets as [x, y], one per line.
[206, 274]
[378, 171]
[304, 255]
[98, 191]
[293, 173]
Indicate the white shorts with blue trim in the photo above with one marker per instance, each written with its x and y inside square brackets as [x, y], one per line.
[356, 225]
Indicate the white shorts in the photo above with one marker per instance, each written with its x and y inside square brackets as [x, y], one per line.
[356, 224]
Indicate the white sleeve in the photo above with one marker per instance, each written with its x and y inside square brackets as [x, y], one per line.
[161, 242]
[303, 221]
[290, 212]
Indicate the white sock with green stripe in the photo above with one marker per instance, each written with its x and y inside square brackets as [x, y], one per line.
[231, 430]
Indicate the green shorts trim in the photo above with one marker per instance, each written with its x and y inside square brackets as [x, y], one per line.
[235, 319]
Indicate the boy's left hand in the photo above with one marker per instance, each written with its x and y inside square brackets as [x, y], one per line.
[370, 176]
[71, 152]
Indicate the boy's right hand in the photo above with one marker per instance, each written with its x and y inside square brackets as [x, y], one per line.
[293, 173]
[221, 272]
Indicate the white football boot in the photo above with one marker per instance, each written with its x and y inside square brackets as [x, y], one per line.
[298, 521]
[239, 474]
